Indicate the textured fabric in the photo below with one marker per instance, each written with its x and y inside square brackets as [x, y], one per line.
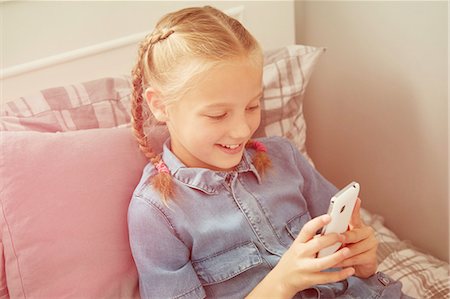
[422, 275]
[257, 219]
[101, 103]
[223, 231]
[286, 75]
[378, 286]
[64, 200]
[77, 108]
[106, 102]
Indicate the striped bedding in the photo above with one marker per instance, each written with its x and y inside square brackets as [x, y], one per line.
[105, 103]
[422, 275]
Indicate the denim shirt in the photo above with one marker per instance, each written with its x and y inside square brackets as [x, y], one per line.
[222, 232]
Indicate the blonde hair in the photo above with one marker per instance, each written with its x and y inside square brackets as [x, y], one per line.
[184, 45]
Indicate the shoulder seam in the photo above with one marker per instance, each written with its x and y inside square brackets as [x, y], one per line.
[160, 210]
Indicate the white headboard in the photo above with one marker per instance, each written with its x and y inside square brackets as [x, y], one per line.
[55, 43]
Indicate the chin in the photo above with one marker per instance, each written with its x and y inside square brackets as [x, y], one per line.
[225, 163]
[228, 167]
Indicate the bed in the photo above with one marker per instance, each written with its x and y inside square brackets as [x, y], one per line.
[69, 164]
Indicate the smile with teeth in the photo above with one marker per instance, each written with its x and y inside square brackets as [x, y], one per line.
[230, 146]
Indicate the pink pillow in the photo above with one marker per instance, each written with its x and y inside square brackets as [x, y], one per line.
[65, 195]
[64, 213]
[106, 102]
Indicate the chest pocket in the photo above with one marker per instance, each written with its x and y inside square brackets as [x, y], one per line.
[227, 264]
[294, 225]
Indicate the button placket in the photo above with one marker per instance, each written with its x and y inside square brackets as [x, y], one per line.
[256, 218]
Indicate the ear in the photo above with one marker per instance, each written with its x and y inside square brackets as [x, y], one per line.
[156, 104]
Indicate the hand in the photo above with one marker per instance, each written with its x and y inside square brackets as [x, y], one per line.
[361, 241]
[299, 269]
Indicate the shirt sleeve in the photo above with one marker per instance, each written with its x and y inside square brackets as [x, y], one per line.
[162, 259]
[316, 189]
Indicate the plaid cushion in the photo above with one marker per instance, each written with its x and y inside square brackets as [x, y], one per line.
[101, 103]
[422, 275]
[286, 75]
[105, 102]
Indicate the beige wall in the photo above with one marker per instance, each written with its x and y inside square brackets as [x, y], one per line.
[377, 109]
[35, 30]
[376, 106]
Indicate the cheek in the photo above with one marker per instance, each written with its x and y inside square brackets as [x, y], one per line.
[255, 121]
[201, 131]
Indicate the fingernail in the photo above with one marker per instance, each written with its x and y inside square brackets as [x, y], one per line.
[351, 271]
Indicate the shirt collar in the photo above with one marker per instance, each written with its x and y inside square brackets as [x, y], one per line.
[206, 180]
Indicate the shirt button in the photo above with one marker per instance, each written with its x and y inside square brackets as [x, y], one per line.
[257, 219]
[384, 280]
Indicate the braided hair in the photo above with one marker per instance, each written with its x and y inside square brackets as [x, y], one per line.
[184, 45]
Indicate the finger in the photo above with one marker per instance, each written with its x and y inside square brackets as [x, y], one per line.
[364, 257]
[311, 227]
[329, 277]
[368, 257]
[313, 246]
[322, 263]
[363, 246]
[355, 220]
[358, 234]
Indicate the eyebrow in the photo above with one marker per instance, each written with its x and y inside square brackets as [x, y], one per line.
[220, 105]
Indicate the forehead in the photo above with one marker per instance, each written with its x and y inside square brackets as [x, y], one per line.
[238, 79]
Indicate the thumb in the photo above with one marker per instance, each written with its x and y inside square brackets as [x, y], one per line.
[355, 220]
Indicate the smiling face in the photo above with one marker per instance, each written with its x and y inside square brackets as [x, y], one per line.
[211, 123]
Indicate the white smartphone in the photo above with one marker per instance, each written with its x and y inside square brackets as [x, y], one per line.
[340, 211]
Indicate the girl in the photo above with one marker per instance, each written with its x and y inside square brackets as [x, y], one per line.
[218, 214]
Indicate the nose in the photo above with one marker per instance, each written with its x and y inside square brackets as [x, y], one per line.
[240, 128]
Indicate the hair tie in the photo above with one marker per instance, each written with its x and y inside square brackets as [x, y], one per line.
[260, 160]
[257, 145]
[162, 167]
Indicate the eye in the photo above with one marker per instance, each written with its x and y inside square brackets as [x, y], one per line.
[217, 117]
[254, 107]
